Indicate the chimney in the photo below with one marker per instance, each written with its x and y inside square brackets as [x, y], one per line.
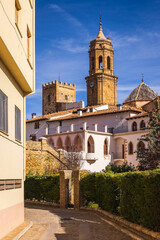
[79, 112]
[33, 115]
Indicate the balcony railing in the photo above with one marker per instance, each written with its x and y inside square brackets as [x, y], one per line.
[75, 128]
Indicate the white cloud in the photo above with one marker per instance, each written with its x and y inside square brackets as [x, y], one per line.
[69, 45]
[38, 93]
[122, 41]
[125, 88]
[66, 15]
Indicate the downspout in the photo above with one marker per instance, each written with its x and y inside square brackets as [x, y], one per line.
[24, 138]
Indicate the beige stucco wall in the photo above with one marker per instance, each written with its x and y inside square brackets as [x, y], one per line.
[16, 81]
[13, 41]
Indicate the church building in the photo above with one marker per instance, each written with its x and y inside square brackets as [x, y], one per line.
[102, 132]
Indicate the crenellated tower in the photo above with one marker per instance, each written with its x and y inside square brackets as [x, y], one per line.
[55, 94]
[101, 82]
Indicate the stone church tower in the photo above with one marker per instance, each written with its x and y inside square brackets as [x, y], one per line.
[101, 82]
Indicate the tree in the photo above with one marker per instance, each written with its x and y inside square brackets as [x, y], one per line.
[149, 158]
[125, 167]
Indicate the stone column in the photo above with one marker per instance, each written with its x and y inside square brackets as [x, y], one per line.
[58, 129]
[43, 141]
[76, 189]
[62, 190]
[72, 127]
[125, 150]
[95, 127]
[65, 188]
[105, 128]
[84, 126]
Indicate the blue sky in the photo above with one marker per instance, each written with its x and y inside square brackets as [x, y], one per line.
[64, 29]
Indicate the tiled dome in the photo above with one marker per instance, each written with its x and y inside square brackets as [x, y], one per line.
[141, 92]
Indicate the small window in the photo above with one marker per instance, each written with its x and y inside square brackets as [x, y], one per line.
[134, 126]
[92, 63]
[100, 62]
[130, 148]
[17, 124]
[66, 97]
[3, 112]
[141, 146]
[142, 124]
[90, 145]
[49, 99]
[33, 137]
[36, 125]
[106, 152]
[108, 62]
[17, 12]
[29, 51]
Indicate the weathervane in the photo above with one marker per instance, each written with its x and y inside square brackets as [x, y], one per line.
[100, 18]
[142, 77]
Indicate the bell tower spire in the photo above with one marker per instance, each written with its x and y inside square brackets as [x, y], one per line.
[101, 82]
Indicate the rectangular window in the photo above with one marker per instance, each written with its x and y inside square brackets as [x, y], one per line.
[3, 112]
[17, 9]
[29, 50]
[17, 124]
[36, 125]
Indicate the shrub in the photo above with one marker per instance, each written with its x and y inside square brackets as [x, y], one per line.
[42, 187]
[102, 189]
[133, 195]
[140, 198]
[125, 167]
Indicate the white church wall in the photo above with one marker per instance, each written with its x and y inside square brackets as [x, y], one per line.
[116, 121]
[133, 137]
[102, 160]
[138, 121]
[41, 131]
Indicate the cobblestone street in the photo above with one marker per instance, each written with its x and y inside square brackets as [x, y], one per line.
[56, 224]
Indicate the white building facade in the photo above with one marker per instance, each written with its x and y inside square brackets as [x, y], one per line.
[102, 135]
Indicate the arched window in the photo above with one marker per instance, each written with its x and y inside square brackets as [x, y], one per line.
[108, 62]
[100, 62]
[68, 146]
[92, 63]
[49, 99]
[59, 144]
[90, 145]
[130, 148]
[140, 146]
[142, 124]
[106, 150]
[134, 126]
[51, 142]
[77, 144]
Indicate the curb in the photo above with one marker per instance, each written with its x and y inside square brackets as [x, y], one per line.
[23, 231]
[132, 227]
[42, 203]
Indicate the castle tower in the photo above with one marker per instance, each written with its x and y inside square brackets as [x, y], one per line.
[101, 82]
[55, 94]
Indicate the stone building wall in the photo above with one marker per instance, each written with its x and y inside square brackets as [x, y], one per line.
[41, 158]
[55, 93]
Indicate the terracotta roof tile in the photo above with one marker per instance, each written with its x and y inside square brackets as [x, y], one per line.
[70, 114]
[143, 114]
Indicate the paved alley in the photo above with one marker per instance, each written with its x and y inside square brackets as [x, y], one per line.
[56, 224]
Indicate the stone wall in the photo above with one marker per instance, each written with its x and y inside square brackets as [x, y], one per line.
[41, 158]
[56, 93]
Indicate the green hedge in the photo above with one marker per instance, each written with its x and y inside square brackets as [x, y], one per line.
[42, 187]
[134, 195]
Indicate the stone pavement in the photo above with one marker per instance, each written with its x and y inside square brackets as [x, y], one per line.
[57, 224]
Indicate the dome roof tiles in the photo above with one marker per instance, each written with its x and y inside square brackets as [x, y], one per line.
[141, 92]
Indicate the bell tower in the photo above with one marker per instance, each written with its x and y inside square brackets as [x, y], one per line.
[101, 82]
